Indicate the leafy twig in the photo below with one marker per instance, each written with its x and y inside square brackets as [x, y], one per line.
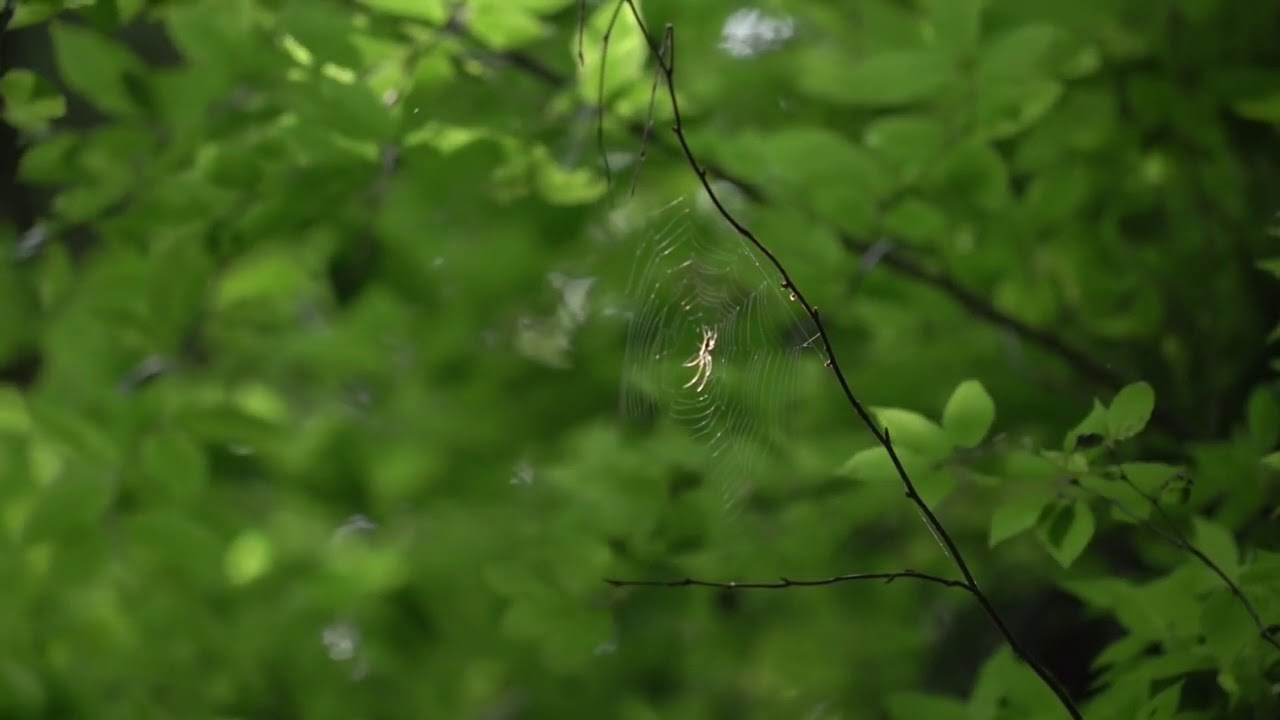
[667, 65]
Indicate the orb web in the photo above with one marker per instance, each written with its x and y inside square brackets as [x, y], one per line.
[714, 343]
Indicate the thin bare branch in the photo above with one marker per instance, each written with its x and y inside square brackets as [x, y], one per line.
[782, 582]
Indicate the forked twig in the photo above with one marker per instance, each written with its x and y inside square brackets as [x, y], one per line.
[667, 65]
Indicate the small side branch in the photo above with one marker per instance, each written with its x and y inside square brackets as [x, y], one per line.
[782, 582]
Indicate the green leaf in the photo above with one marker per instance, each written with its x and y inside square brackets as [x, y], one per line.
[249, 557]
[1006, 109]
[914, 432]
[906, 142]
[1017, 53]
[95, 67]
[72, 502]
[434, 11]
[29, 102]
[896, 77]
[626, 60]
[1271, 460]
[1271, 266]
[1263, 416]
[15, 419]
[968, 414]
[1018, 513]
[269, 274]
[1216, 542]
[954, 24]
[872, 465]
[173, 467]
[974, 172]
[1067, 532]
[1164, 705]
[1093, 423]
[1130, 410]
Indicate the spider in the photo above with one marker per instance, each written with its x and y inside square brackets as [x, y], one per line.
[702, 360]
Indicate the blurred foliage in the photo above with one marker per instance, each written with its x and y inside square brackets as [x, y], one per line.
[311, 350]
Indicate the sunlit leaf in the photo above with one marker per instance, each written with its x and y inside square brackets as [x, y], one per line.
[1130, 410]
[968, 414]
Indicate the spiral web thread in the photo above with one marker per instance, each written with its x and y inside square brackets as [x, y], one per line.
[692, 282]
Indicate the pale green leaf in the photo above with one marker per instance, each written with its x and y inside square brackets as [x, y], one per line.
[249, 557]
[1130, 410]
[914, 432]
[968, 414]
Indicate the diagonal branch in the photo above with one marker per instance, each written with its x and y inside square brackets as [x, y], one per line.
[667, 64]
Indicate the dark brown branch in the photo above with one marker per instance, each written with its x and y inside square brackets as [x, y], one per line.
[780, 583]
[668, 66]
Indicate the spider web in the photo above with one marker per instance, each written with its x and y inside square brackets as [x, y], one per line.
[694, 280]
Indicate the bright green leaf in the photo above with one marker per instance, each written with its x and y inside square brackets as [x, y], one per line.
[968, 414]
[248, 558]
[1130, 410]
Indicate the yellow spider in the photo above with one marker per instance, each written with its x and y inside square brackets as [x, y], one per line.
[702, 360]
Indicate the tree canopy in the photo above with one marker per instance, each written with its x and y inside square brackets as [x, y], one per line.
[420, 358]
